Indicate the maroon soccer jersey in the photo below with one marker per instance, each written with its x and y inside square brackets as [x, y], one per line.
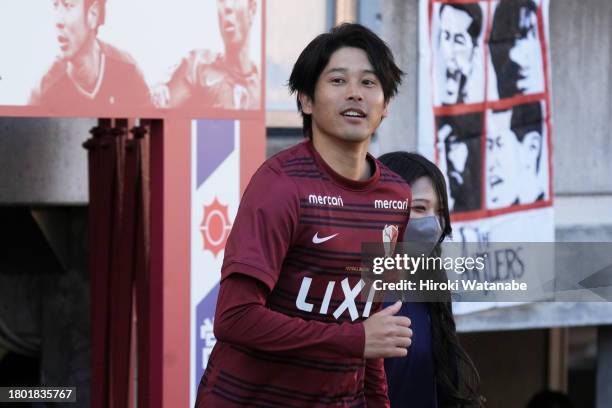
[120, 84]
[289, 310]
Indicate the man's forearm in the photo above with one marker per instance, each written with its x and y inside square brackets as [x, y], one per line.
[242, 319]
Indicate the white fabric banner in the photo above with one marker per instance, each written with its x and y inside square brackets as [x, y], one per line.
[485, 120]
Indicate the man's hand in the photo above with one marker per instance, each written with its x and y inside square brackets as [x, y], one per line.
[387, 335]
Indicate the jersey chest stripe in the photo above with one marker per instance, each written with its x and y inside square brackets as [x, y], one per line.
[349, 226]
[316, 365]
[357, 220]
[246, 400]
[333, 302]
[291, 311]
[373, 211]
[317, 272]
[291, 393]
[329, 258]
[325, 251]
[303, 158]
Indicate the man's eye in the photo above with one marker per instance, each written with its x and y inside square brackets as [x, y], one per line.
[418, 208]
[368, 82]
[337, 81]
[460, 39]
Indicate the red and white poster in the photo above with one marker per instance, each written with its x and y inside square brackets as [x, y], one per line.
[139, 58]
[485, 116]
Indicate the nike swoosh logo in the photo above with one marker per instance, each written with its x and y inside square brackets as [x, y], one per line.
[317, 240]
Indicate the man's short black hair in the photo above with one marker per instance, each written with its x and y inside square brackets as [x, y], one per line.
[525, 119]
[505, 30]
[315, 57]
[465, 127]
[475, 12]
[507, 19]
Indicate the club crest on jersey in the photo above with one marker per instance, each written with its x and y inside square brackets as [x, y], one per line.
[389, 238]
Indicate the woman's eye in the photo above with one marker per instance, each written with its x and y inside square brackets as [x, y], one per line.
[337, 80]
[418, 208]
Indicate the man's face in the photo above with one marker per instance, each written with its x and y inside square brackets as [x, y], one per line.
[525, 54]
[349, 102]
[457, 52]
[72, 26]
[235, 18]
[503, 154]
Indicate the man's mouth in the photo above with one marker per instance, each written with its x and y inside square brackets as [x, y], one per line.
[353, 113]
[229, 27]
[63, 42]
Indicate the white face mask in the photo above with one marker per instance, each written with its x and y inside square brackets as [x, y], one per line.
[424, 231]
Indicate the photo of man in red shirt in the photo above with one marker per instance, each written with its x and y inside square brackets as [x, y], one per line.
[208, 79]
[88, 73]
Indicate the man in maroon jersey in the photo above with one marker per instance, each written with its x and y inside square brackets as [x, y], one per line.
[88, 72]
[291, 326]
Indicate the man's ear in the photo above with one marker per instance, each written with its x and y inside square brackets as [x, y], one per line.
[93, 15]
[385, 111]
[306, 103]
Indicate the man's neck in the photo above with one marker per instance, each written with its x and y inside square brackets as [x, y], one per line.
[84, 68]
[238, 59]
[349, 159]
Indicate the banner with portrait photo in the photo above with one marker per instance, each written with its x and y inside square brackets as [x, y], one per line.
[485, 117]
[134, 58]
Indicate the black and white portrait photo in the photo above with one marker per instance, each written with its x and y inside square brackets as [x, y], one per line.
[516, 53]
[459, 61]
[516, 156]
[460, 159]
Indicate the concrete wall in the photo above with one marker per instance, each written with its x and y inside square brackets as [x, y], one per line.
[581, 53]
[400, 30]
[43, 161]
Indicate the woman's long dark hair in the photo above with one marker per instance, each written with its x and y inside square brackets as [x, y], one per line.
[457, 380]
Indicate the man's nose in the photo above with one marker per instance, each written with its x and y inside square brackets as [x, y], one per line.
[59, 18]
[493, 157]
[354, 91]
[228, 6]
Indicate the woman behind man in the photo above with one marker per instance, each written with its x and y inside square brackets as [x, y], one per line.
[437, 372]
